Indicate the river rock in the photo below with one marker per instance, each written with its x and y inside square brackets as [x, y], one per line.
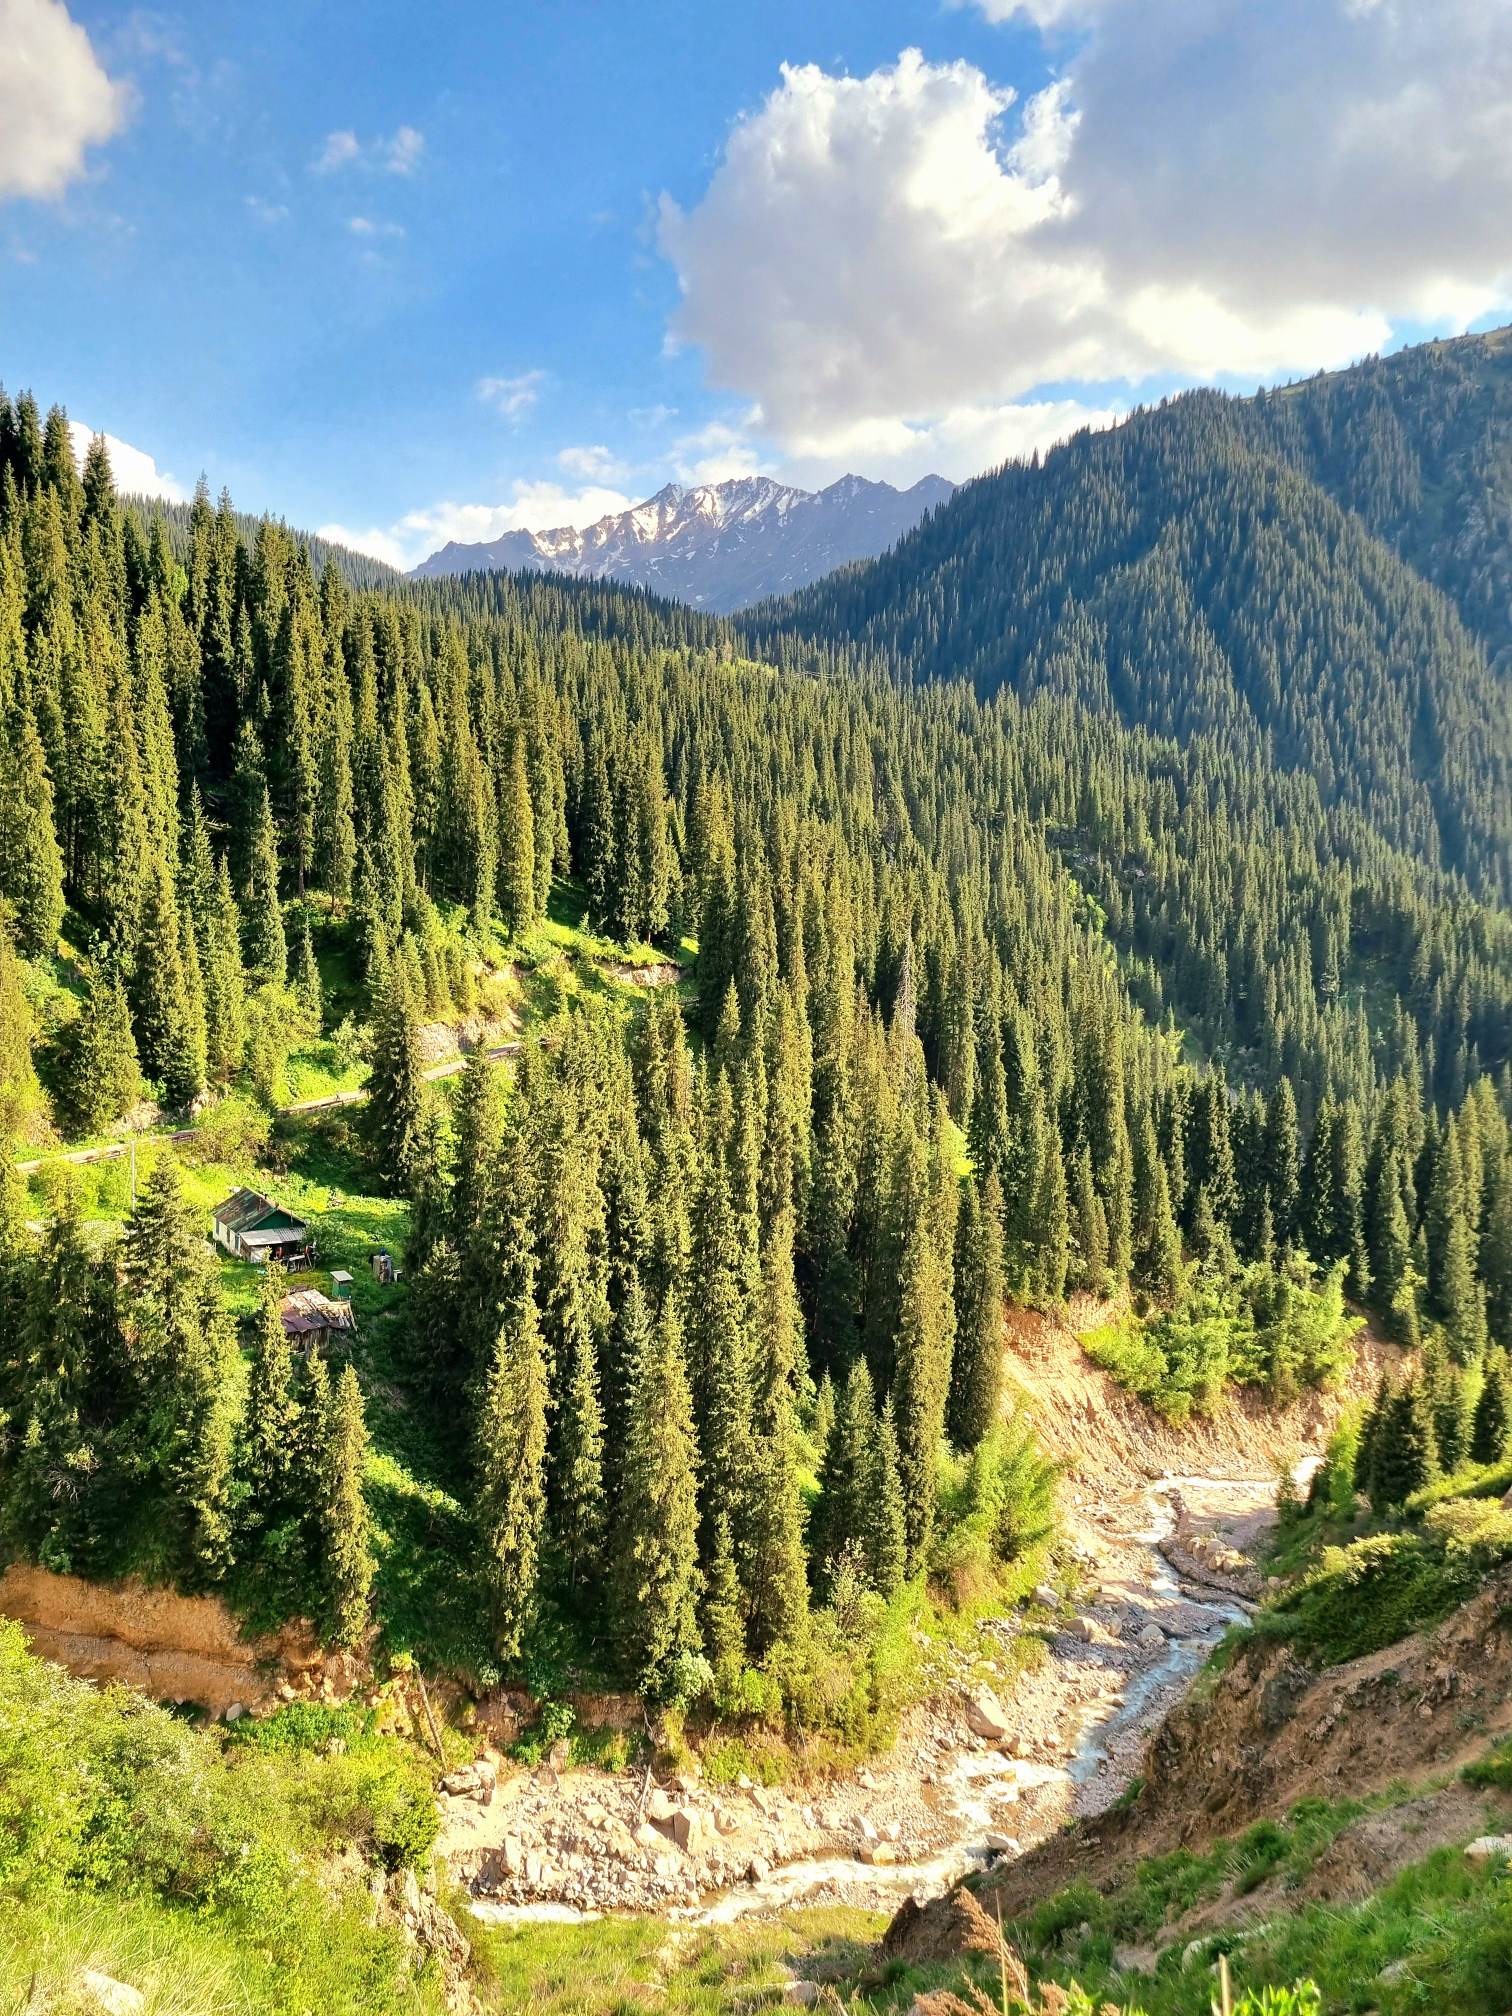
[688, 1829]
[1002, 1844]
[1151, 1637]
[104, 1993]
[646, 1836]
[758, 1869]
[660, 1806]
[985, 1716]
[802, 1994]
[1490, 1848]
[879, 1854]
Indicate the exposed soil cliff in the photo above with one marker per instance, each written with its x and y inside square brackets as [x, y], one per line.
[173, 1648]
[1270, 1732]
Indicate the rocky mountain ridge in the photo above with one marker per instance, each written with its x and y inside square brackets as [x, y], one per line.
[719, 546]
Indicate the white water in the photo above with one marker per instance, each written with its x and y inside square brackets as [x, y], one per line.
[978, 1786]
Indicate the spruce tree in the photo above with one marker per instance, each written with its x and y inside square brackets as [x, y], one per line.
[509, 1455]
[346, 1556]
[1492, 1426]
[104, 1076]
[517, 848]
[397, 1092]
[976, 1378]
[886, 1531]
[656, 1531]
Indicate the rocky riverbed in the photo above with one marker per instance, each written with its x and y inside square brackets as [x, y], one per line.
[985, 1771]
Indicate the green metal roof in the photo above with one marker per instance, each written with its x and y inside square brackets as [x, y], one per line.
[249, 1211]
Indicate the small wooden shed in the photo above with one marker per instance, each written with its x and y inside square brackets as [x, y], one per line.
[250, 1226]
[314, 1322]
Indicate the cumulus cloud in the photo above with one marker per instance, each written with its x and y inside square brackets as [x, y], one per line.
[136, 473]
[55, 98]
[536, 506]
[512, 397]
[593, 463]
[374, 227]
[1207, 187]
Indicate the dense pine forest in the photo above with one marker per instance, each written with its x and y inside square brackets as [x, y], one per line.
[1099, 896]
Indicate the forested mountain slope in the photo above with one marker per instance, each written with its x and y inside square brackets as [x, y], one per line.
[1183, 573]
[697, 1346]
[1420, 445]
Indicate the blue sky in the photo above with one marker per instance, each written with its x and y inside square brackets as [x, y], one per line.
[423, 273]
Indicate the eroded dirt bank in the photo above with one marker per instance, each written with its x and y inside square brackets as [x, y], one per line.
[173, 1648]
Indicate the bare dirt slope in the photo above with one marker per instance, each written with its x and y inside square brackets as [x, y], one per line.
[1110, 1440]
[173, 1648]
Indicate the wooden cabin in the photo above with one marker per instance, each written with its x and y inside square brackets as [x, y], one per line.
[250, 1226]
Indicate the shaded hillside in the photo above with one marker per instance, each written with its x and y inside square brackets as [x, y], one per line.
[1179, 573]
[1420, 445]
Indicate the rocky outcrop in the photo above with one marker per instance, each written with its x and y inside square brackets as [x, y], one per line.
[173, 1648]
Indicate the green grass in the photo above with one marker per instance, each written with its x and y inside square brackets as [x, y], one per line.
[618, 1966]
[212, 1874]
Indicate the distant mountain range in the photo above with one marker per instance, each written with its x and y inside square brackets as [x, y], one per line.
[718, 546]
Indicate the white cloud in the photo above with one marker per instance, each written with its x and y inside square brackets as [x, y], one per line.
[264, 212]
[400, 153]
[370, 227]
[712, 453]
[136, 473]
[595, 464]
[339, 150]
[908, 258]
[512, 397]
[537, 506]
[55, 99]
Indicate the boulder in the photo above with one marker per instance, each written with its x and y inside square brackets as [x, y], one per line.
[688, 1829]
[985, 1716]
[879, 1854]
[1134, 1959]
[1490, 1848]
[1002, 1844]
[660, 1806]
[1152, 1637]
[801, 1994]
[758, 1869]
[646, 1836]
[111, 1997]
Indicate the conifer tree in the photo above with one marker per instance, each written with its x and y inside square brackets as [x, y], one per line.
[921, 1354]
[510, 1463]
[886, 1535]
[346, 1557]
[578, 1465]
[104, 1077]
[517, 846]
[976, 1379]
[1456, 1296]
[656, 1530]
[774, 1543]
[170, 1036]
[268, 1429]
[1492, 1426]
[397, 1095]
[266, 943]
[1404, 1456]
[31, 863]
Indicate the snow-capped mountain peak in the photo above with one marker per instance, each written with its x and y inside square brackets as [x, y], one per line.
[717, 545]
